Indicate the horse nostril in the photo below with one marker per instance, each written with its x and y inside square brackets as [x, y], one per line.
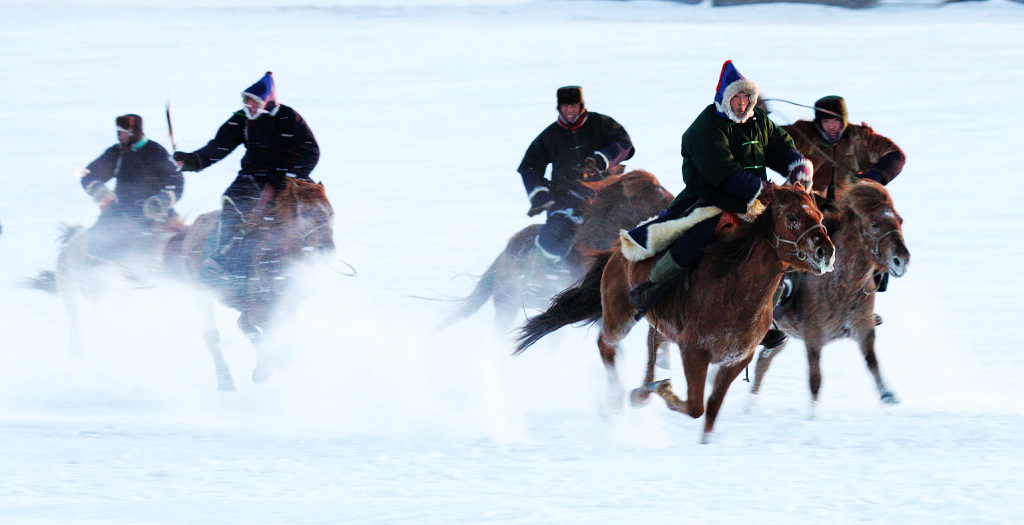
[820, 253]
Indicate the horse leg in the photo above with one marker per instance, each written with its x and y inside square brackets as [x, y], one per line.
[814, 371]
[726, 375]
[656, 343]
[695, 368]
[764, 360]
[867, 348]
[264, 364]
[212, 339]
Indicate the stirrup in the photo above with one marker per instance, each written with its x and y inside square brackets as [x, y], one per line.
[773, 339]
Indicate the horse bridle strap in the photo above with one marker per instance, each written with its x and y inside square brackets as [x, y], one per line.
[800, 254]
[877, 251]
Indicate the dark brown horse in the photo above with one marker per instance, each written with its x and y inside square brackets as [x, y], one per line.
[717, 313]
[868, 236]
[286, 228]
[621, 202]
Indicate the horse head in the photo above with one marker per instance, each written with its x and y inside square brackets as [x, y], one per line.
[879, 224]
[798, 235]
[305, 219]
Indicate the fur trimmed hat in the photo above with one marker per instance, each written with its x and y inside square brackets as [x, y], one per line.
[130, 124]
[730, 83]
[570, 95]
[828, 107]
[264, 92]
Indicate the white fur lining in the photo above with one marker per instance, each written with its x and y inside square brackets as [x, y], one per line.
[537, 190]
[661, 235]
[741, 85]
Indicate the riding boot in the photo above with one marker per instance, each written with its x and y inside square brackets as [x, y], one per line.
[543, 272]
[774, 338]
[647, 294]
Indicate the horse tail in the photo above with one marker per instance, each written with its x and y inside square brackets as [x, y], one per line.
[580, 303]
[46, 281]
[478, 297]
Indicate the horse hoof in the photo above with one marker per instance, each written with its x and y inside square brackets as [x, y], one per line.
[639, 396]
[890, 399]
[226, 387]
[260, 375]
[661, 386]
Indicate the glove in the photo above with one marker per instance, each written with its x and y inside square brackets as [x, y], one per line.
[101, 194]
[540, 200]
[187, 161]
[158, 206]
[802, 173]
[872, 174]
[594, 167]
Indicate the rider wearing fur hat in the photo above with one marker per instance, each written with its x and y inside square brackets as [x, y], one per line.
[843, 153]
[147, 186]
[580, 145]
[278, 144]
[726, 153]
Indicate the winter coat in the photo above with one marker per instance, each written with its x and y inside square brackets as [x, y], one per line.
[142, 170]
[724, 162]
[566, 150]
[859, 151]
[276, 144]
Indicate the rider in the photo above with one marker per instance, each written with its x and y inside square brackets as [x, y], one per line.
[843, 153]
[278, 144]
[147, 187]
[725, 154]
[580, 145]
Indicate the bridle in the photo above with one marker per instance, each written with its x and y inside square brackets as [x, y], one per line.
[877, 250]
[800, 254]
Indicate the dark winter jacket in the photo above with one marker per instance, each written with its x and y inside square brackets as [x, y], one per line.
[566, 150]
[860, 152]
[276, 144]
[724, 161]
[142, 170]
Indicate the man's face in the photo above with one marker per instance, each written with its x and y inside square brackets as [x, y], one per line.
[570, 112]
[123, 137]
[251, 106]
[833, 127]
[739, 103]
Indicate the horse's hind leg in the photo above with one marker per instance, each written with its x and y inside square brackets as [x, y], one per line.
[656, 343]
[726, 375]
[212, 339]
[867, 348]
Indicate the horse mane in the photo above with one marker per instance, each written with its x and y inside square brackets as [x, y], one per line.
[628, 198]
[283, 203]
[866, 197]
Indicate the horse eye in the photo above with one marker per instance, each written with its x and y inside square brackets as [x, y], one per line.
[874, 227]
[791, 218]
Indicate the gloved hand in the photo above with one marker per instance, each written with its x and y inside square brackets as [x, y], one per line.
[872, 174]
[187, 161]
[803, 174]
[101, 194]
[158, 206]
[540, 200]
[594, 167]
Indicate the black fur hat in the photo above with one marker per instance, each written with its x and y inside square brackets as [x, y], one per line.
[830, 107]
[131, 124]
[570, 95]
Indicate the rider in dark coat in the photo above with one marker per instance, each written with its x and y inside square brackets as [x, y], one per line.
[581, 145]
[725, 155]
[278, 144]
[148, 185]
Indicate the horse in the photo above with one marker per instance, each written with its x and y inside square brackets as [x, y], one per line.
[716, 312]
[81, 273]
[286, 227]
[620, 201]
[868, 236]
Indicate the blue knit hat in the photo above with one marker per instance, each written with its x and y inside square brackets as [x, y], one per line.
[264, 92]
[730, 83]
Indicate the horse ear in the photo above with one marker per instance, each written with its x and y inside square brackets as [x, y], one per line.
[320, 183]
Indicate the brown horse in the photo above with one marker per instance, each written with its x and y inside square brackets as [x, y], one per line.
[288, 227]
[868, 236]
[717, 313]
[621, 201]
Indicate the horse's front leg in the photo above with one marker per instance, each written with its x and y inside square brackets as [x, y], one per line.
[813, 372]
[867, 348]
[726, 375]
[764, 360]
[695, 368]
[264, 364]
[212, 338]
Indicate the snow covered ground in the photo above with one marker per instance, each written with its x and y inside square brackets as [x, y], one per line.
[423, 110]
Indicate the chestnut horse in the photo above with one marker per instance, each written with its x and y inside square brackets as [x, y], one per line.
[868, 236]
[716, 313]
[285, 228]
[621, 201]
